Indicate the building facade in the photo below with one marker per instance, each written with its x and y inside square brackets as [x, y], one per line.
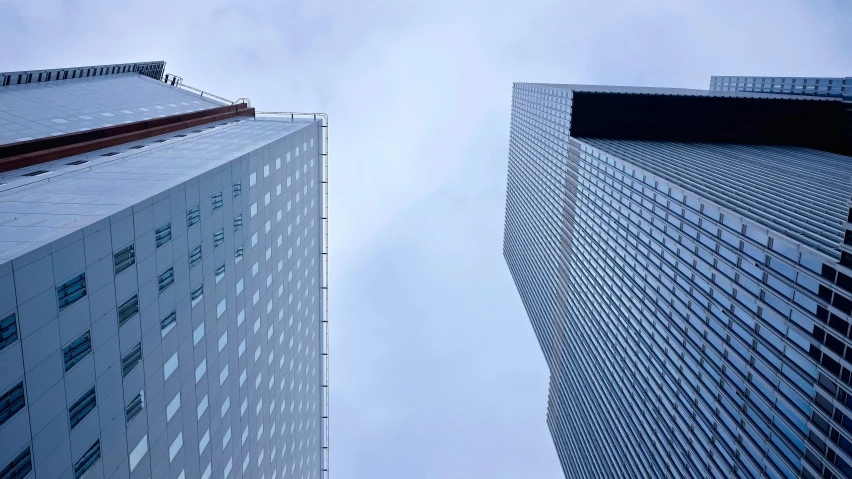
[161, 281]
[683, 256]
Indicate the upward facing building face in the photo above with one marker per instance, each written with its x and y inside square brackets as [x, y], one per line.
[684, 258]
[160, 282]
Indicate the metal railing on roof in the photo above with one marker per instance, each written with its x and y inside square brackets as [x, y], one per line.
[177, 81]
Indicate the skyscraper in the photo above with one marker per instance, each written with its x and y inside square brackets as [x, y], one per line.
[162, 280]
[684, 259]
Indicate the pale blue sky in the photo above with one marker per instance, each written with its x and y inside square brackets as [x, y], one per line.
[435, 369]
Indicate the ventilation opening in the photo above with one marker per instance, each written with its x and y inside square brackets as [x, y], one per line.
[78, 162]
[160, 141]
[137, 147]
[36, 173]
[179, 136]
[111, 153]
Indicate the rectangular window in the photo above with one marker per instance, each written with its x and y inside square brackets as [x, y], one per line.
[197, 294]
[131, 359]
[202, 444]
[220, 273]
[168, 323]
[198, 334]
[135, 407]
[20, 466]
[193, 216]
[170, 366]
[77, 350]
[8, 331]
[202, 407]
[128, 309]
[138, 452]
[238, 254]
[200, 370]
[238, 222]
[163, 234]
[11, 402]
[195, 256]
[218, 237]
[82, 407]
[166, 279]
[72, 291]
[217, 201]
[238, 188]
[173, 407]
[175, 447]
[87, 460]
[124, 258]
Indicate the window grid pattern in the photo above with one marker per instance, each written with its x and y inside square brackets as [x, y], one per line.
[721, 349]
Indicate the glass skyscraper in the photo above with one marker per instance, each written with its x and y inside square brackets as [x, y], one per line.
[162, 280]
[685, 259]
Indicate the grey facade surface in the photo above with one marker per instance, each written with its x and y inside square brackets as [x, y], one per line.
[160, 300]
[691, 295]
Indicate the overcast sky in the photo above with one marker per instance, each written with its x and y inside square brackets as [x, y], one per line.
[436, 372]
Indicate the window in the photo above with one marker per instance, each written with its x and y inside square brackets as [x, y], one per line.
[217, 201]
[72, 291]
[131, 359]
[125, 258]
[11, 402]
[138, 452]
[195, 256]
[77, 350]
[220, 273]
[128, 309]
[218, 237]
[205, 440]
[87, 460]
[253, 209]
[200, 370]
[223, 341]
[193, 216]
[238, 254]
[220, 308]
[196, 295]
[19, 467]
[197, 334]
[202, 407]
[8, 331]
[223, 375]
[135, 407]
[168, 323]
[238, 222]
[226, 439]
[166, 279]
[175, 447]
[82, 407]
[173, 407]
[163, 234]
[170, 366]
[252, 179]
[238, 188]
